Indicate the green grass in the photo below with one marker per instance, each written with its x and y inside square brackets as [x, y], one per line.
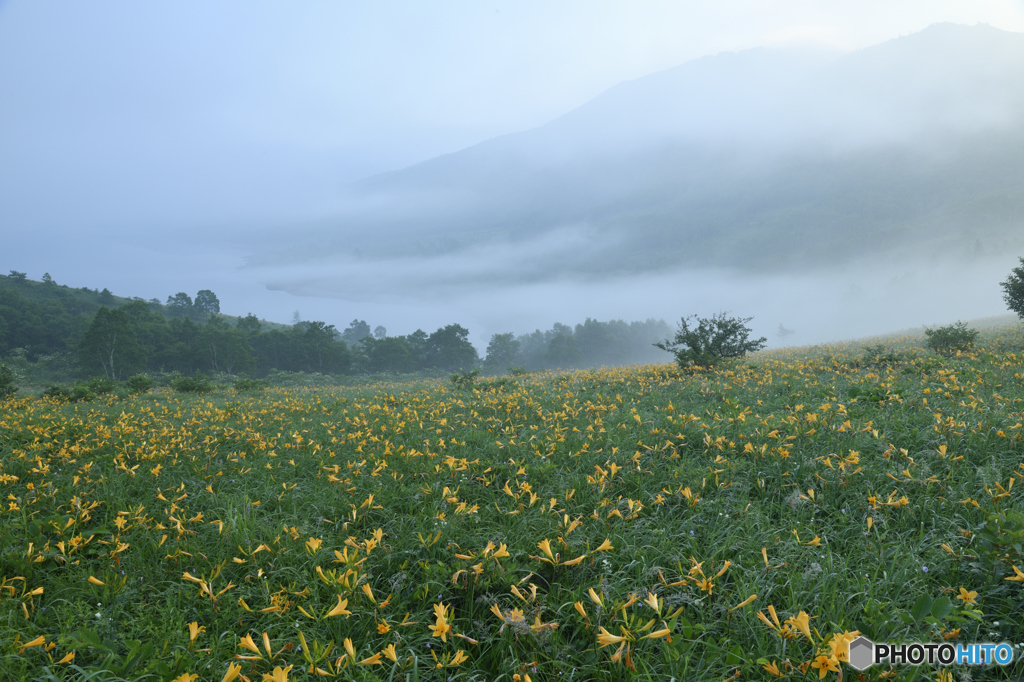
[651, 459]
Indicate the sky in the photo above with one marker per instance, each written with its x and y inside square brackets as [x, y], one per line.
[141, 143]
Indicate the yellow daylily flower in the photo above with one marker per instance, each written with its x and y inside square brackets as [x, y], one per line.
[389, 653]
[840, 644]
[368, 591]
[801, 621]
[339, 608]
[233, 671]
[658, 634]
[247, 643]
[186, 677]
[824, 665]
[38, 641]
[194, 628]
[1019, 577]
[96, 581]
[967, 597]
[441, 628]
[372, 660]
[594, 597]
[745, 602]
[604, 638]
[279, 675]
[605, 546]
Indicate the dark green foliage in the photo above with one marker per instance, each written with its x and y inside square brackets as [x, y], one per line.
[1013, 290]
[18, 276]
[711, 340]
[7, 386]
[562, 351]
[62, 393]
[591, 344]
[206, 302]
[180, 303]
[356, 331]
[389, 354]
[81, 391]
[140, 383]
[951, 338]
[449, 349]
[111, 344]
[50, 333]
[465, 379]
[199, 383]
[880, 355]
[249, 325]
[470, 379]
[102, 385]
[249, 385]
[319, 344]
[225, 348]
[502, 353]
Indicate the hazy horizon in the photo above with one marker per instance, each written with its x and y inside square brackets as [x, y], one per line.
[415, 167]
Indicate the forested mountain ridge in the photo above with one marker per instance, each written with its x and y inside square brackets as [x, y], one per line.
[50, 332]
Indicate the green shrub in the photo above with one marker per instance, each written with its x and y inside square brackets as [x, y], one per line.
[465, 379]
[140, 383]
[951, 338]
[880, 355]
[7, 386]
[199, 384]
[711, 340]
[78, 393]
[249, 385]
[518, 371]
[101, 385]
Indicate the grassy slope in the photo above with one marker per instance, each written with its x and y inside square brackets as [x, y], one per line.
[677, 471]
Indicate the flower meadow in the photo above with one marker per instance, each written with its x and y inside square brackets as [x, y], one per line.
[647, 522]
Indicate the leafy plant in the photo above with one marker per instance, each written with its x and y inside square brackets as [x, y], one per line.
[249, 385]
[881, 355]
[7, 386]
[140, 383]
[465, 379]
[951, 338]
[198, 383]
[710, 340]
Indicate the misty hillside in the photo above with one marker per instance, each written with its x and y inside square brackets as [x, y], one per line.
[761, 160]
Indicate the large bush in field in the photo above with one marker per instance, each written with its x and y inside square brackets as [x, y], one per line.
[705, 341]
[7, 385]
[951, 338]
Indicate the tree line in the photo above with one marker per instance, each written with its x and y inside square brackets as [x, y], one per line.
[91, 333]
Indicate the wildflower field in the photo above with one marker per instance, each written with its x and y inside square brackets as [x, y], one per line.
[642, 522]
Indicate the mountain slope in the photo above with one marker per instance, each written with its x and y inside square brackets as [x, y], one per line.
[763, 160]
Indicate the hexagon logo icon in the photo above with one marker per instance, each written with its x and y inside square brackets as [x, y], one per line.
[862, 653]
